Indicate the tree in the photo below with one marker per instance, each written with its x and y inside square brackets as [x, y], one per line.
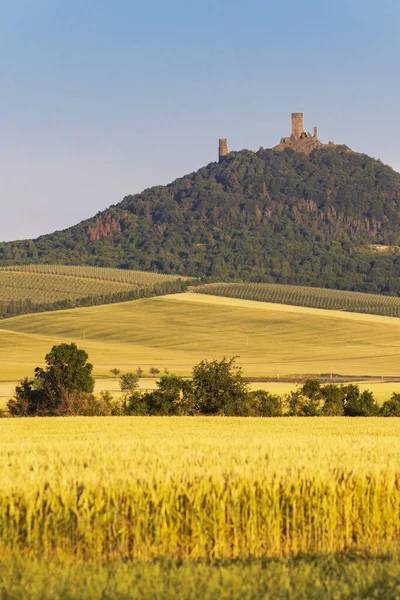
[154, 371]
[307, 401]
[66, 371]
[334, 400]
[303, 406]
[115, 372]
[174, 396]
[129, 382]
[27, 401]
[359, 404]
[391, 408]
[219, 387]
[264, 404]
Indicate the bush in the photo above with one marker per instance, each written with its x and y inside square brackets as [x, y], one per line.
[129, 382]
[359, 404]
[391, 408]
[333, 401]
[264, 404]
[82, 404]
[219, 388]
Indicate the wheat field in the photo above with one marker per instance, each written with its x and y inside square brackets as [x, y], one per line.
[197, 488]
[178, 331]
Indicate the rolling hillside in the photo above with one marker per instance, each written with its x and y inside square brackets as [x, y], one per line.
[35, 288]
[267, 216]
[177, 331]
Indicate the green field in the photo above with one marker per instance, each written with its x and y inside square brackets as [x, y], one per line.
[311, 297]
[234, 508]
[178, 331]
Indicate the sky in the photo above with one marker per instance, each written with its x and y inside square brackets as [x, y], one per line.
[104, 98]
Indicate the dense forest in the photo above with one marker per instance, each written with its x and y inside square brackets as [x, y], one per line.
[266, 216]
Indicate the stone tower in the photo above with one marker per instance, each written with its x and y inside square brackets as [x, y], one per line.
[223, 148]
[315, 132]
[297, 125]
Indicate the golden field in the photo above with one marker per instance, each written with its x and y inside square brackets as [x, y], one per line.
[214, 488]
[177, 331]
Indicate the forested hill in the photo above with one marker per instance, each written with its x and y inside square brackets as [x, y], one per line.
[261, 216]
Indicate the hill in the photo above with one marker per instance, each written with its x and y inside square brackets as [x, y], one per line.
[270, 216]
[178, 331]
[35, 288]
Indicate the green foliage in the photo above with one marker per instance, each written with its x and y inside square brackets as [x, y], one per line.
[359, 404]
[67, 371]
[174, 396]
[313, 400]
[391, 408]
[264, 404]
[334, 399]
[129, 382]
[219, 388]
[263, 216]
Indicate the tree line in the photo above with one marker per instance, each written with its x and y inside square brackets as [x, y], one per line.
[65, 387]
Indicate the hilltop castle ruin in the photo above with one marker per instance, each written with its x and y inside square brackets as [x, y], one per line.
[299, 140]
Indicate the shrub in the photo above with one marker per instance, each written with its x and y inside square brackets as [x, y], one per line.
[129, 382]
[391, 408]
[264, 404]
[219, 388]
[359, 404]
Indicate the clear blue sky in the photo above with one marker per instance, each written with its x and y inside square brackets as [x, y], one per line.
[102, 98]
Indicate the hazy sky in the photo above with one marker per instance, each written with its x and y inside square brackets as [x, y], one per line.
[102, 98]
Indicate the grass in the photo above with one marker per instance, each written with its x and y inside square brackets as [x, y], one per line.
[310, 297]
[332, 577]
[179, 330]
[199, 507]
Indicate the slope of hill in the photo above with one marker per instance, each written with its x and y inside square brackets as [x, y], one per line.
[271, 216]
[178, 331]
[35, 288]
[297, 295]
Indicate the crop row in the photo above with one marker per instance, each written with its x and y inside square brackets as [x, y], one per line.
[50, 288]
[137, 278]
[305, 296]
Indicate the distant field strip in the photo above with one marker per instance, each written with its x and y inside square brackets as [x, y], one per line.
[39, 287]
[373, 304]
[29, 288]
[137, 278]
